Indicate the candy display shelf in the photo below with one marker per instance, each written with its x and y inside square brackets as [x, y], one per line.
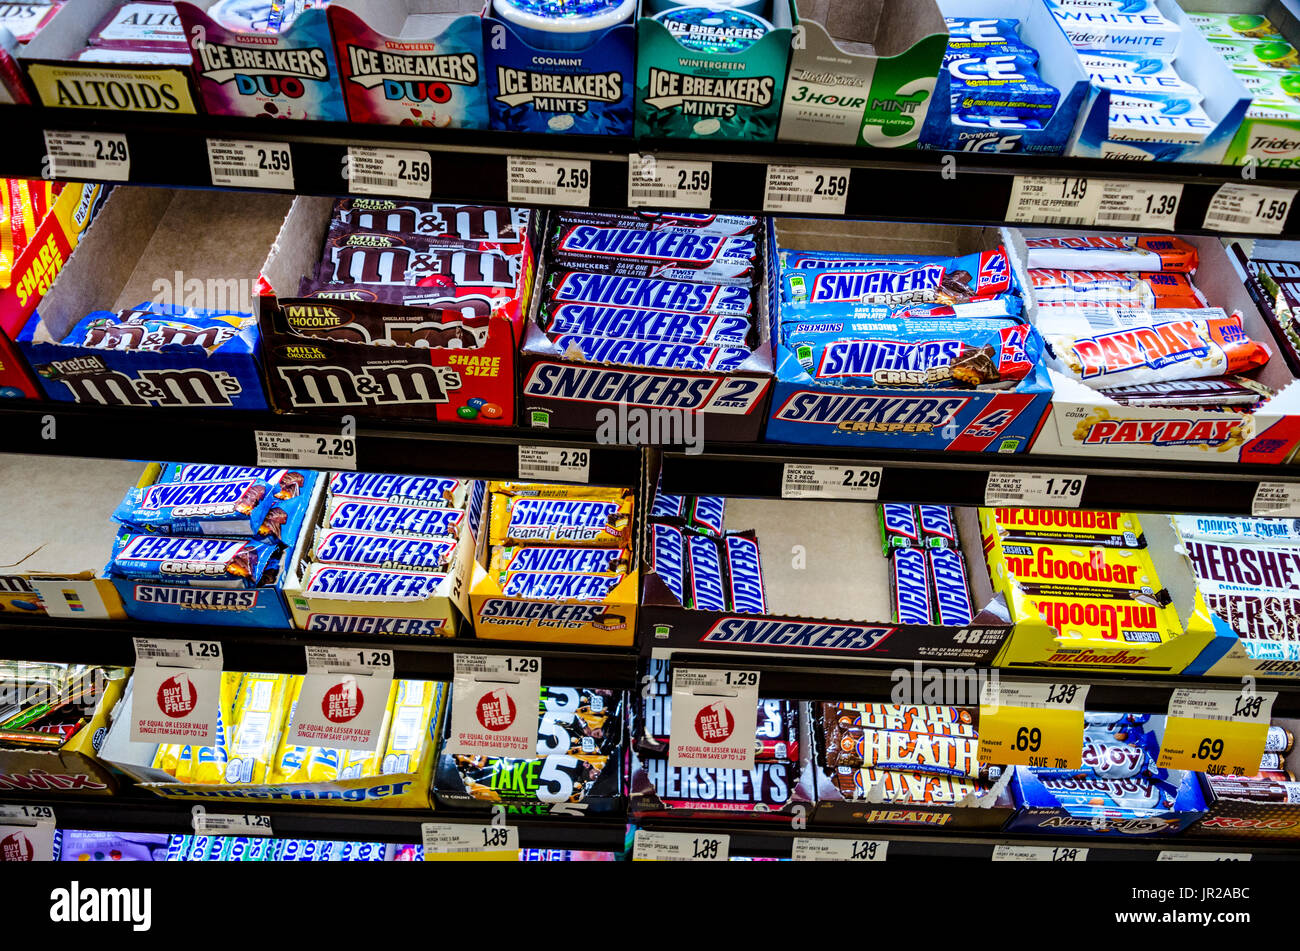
[471, 166]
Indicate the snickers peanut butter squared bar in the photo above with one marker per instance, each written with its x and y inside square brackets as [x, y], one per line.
[612, 290]
[707, 588]
[231, 507]
[185, 560]
[518, 520]
[911, 587]
[560, 559]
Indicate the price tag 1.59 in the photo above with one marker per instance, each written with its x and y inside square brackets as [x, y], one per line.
[650, 846]
[1048, 490]
[839, 850]
[804, 190]
[406, 172]
[541, 181]
[1032, 724]
[668, 183]
[715, 718]
[83, 156]
[1219, 732]
[554, 463]
[343, 698]
[243, 164]
[799, 481]
[26, 834]
[310, 450]
[459, 842]
[494, 711]
[176, 691]
[1237, 208]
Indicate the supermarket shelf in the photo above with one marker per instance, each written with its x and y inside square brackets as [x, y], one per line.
[470, 165]
[109, 644]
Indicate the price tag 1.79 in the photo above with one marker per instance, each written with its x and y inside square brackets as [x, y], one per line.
[494, 713]
[541, 181]
[650, 846]
[805, 190]
[799, 481]
[839, 850]
[405, 172]
[554, 463]
[459, 842]
[343, 698]
[668, 183]
[1030, 489]
[83, 156]
[177, 686]
[1219, 732]
[1032, 724]
[310, 450]
[244, 164]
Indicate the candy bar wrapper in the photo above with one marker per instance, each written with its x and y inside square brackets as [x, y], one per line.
[899, 527]
[546, 490]
[439, 491]
[598, 706]
[707, 515]
[559, 559]
[415, 261]
[612, 290]
[141, 26]
[342, 547]
[656, 354]
[663, 247]
[1224, 568]
[1091, 796]
[854, 318]
[395, 326]
[150, 327]
[950, 721]
[571, 735]
[668, 558]
[413, 706]
[723, 225]
[1287, 793]
[1118, 617]
[1253, 531]
[904, 787]
[558, 586]
[745, 574]
[180, 559]
[895, 749]
[480, 223]
[911, 587]
[699, 330]
[1106, 529]
[469, 300]
[1054, 287]
[958, 280]
[232, 507]
[492, 779]
[596, 522]
[369, 584]
[936, 525]
[384, 518]
[1063, 570]
[947, 576]
[288, 483]
[707, 583]
[667, 508]
[1112, 252]
[830, 260]
[255, 734]
[1236, 391]
[75, 845]
[776, 738]
[1278, 740]
[768, 787]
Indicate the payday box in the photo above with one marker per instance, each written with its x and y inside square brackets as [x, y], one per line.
[411, 62]
[438, 615]
[1034, 644]
[988, 810]
[57, 531]
[73, 768]
[864, 72]
[394, 791]
[583, 91]
[1251, 819]
[835, 601]
[168, 247]
[60, 80]
[262, 606]
[682, 93]
[1084, 422]
[1057, 65]
[1226, 101]
[70, 214]
[557, 392]
[307, 374]
[1269, 135]
[809, 412]
[291, 74]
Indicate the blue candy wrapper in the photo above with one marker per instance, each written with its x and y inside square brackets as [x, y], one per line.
[976, 33]
[234, 507]
[956, 280]
[1004, 85]
[649, 353]
[179, 559]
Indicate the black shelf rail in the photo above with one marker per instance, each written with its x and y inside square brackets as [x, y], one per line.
[470, 165]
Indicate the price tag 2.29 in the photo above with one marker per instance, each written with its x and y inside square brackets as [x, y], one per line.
[494, 707]
[1218, 732]
[650, 846]
[454, 841]
[1032, 724]
[554, 463]
[540, 181]
[806, 190]
[668, 183]
[176, 691]
[82, 156]
[1049, 490]
[310, 450]
[245, 164]
[343, 698]
[406, 172]
[715, 718]
[800, 481]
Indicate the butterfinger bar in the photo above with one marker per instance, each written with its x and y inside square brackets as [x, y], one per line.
[523, 519]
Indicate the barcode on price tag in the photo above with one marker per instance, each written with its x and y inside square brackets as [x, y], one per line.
[806, 190]
[839, 850]
[680, 847]
[1251, 208]
[799, 481]
[1038, 199]
[1056, 490]
[1139, 205]
[102, 156]
[212, 823]
[1038, 853]
[1281, 499]
[549, 463]
[532, 181]
[668, 183]
[242, 164]
[309, 450]
[407, 172]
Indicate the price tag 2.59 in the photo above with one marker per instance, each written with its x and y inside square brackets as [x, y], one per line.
[1032, 724]
[800, 481]
[406, 172]
[83, 156]
[1048, 490]
[1219, 732]
[650, 846]
[459, 842]
[540, 181]
[806, 190]
[176, 691]
[668, 183]
[247, 164]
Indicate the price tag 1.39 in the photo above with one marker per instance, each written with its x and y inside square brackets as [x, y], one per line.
[1032, 724]
[1049, 490]
[310, 450]
[176, 691]
[459, 842]
[715, 718]
[26, 834]
[343, 698]
[668, 183]
[244, 164]
[1218, 732]
[839, 850]
[554, 463]
[805, 190]
[1139, 204]
[861, 483]
[540, 181]
[650, 846]
[495, 702]
[82, 156]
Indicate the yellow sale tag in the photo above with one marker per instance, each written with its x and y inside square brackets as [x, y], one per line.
[1032, 724]
[471, 856]
[453, 842]
[1218, 732]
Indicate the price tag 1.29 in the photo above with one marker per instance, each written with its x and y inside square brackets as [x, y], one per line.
[1049, 490]
[668, 183]
[176, 691]
[1032, 724]
[310, 450]
[82, 156]
[1039, 199]
[804, 190]
[26, 834]
[460, 842]
[554, 463]
[839, 850]
[1218, 732]
[228, 823]
[800, 481]
[542, 181]
[715, 718]
[1237, 208]
[650, 846]
[343, 698]
[239, 163]
[405, 172]
[495, 702]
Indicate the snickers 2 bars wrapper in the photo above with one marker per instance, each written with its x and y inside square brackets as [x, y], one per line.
[481, 223]
[672, 255]
[636, 324]
[767, 788]
[776, 738]
[653, 354]
[640, 293]
[700, 223]
[201, 562]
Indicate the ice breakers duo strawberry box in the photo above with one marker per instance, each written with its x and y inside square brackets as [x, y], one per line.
[950, 375]
[451, 382]
[1083, 420]
[411, 62]
[154, 307]
[252, 63]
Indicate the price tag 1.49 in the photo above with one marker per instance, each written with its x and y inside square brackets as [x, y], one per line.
[1218, 732]
[243, 164]
[82, 156]
[406, 172]
[343, 698]
[176, 691]
[1054, 490]
[26, 834]
[542, 181]
[1038, 199]
[668, 183]
[805, 190]
[494, 707]
[839, 850]
[799, 481]
[650, 846]
[455, 841]
[715, 718]
[1032, 724]
[554, 463]
[310, 450]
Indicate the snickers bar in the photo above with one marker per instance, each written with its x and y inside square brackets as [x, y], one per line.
[911, 587]
[559, 559]
[707, 585]
[708, 514]
[666, 558]
[369, 584]
[437, 491]
[745, 575]
[521, 519]
[340, 547]
[667, 507]
[948, 581]
[654, 354]
[203, 562]
[355, 515]
[233, 507]
[687, 297]
[710, 330]
[724, 225]
[936, 526]
[898, 526]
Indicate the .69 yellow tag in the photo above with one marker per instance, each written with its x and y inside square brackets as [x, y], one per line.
[1032, 724]
[1218, 732]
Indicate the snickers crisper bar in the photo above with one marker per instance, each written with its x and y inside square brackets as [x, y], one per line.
[232, 507]
[204, 562]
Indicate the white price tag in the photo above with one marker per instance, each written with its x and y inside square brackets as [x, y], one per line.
[665, 183]
[1054, 490]
[343, 698]
[1038, 853]
[456, 838]
[1038, 199]
[1177, 855]
[799, 481]
[221, 823]
[1032, 695]
[309, 450]
[406, 172]
[552, 463]
[715, 718]
[176, 691]
[85, 156]
[1145, 205]
[806, 190]
[839, 850]
[494, 708]
[543, 181]
[1276, 499]
[26, 834]
[33, 813]
[1254, 208]
[1226, 706]
[240, 163]
[680, 847]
